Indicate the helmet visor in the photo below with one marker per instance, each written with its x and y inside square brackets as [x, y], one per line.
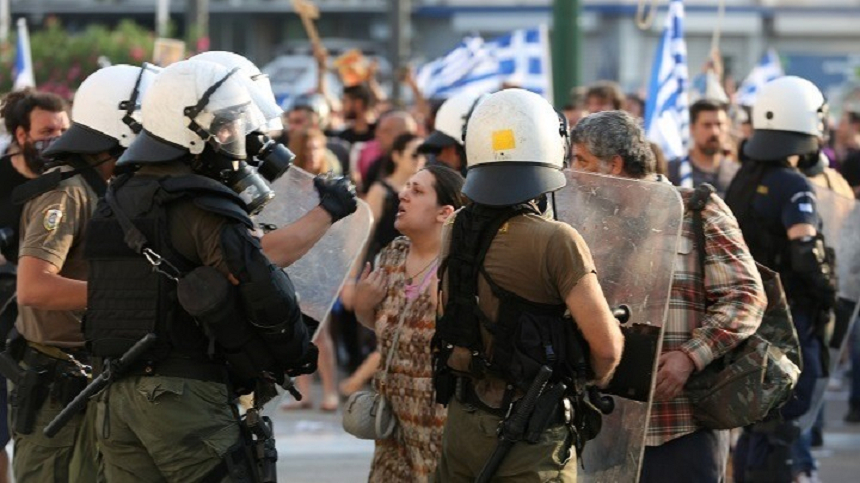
[229, 127]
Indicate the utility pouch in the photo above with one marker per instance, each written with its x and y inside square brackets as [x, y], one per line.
[27, 398]
[209, 297]
[67, 386]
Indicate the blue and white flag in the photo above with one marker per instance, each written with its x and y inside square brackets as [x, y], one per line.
[667, 115]
[23, 62]
[768, 69]
[520, 58]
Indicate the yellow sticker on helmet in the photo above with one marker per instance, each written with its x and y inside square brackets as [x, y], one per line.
[503, 140]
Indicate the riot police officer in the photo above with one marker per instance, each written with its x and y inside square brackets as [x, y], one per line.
[509, 274]
[445, 143]
[48, 354]
[176, 259]
[776, 208]
[285, 244]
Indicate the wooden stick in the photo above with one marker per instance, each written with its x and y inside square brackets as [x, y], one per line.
[308, 13]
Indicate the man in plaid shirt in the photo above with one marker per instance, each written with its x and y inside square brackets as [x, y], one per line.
[709, 313]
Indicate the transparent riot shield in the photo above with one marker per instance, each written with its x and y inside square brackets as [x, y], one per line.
[632, 229]
[319, 275]
[840, 218]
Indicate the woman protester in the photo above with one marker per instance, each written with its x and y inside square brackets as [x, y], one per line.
[404, 282]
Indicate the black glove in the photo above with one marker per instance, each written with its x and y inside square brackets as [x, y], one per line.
[307, 364]
[337, 196]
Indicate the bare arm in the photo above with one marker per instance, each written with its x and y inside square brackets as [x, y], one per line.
[40, 286]
[421, 103]
[373, 83]
[801, 230]
[589, 308]
[289, 243]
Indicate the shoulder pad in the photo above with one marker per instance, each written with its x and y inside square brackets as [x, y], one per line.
[35, 187]
[209, 195]
[224, 207]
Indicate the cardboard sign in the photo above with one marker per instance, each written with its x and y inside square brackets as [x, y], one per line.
[167, 51]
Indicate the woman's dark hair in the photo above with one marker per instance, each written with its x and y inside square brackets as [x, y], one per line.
[399, 145]
[448, 185]
[17, 106]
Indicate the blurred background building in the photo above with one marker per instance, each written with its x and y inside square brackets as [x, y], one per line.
[817, 39]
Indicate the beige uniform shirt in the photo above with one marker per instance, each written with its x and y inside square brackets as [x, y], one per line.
[53, 229]
[538, 259]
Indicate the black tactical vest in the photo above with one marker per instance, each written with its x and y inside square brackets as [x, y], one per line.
[127, 297]
[526, 336]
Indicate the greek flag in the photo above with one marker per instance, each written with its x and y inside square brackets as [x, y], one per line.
[768, 69]
[667, 115]
[520, 58]
[23, 61]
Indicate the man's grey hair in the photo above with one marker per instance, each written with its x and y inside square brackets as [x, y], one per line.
[610, 133]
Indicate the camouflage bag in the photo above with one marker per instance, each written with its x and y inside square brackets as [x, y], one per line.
[756, 377]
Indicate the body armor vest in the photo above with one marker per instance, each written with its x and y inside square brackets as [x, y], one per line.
[526, 336]
[129, 297]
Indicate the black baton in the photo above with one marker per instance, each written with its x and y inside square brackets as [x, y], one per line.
[112, 370]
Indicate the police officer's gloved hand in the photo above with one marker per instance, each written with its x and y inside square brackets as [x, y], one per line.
[307, 364]
[337, 196]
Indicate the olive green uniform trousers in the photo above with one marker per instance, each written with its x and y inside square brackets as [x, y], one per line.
[70, 456]
[471, 435]
[164, 429]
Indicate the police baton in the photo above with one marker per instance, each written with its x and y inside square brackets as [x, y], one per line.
[514, 427]
[112, 370]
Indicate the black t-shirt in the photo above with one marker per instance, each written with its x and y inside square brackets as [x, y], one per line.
[10, 214]
[351, 136]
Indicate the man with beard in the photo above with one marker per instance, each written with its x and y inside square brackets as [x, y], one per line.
[31, 118]
[706, 162]
[696, 333]
[52, 273]
[358, 109]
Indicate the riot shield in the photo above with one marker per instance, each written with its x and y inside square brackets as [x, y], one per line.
[632, 229]
[840, 218]
[319, 275]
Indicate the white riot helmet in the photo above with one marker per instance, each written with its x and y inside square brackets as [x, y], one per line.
[106, 110]
[787, 118]
[450, 122]
[261, 91]
[190, 105]
[515, 149]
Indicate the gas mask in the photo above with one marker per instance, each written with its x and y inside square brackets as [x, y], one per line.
[237, 175]
[271, 158]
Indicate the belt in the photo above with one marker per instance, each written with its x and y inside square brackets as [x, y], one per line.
[55, 367]
[468, 396]
[180, 367]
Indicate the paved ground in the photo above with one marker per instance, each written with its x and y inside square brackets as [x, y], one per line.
[314, 449]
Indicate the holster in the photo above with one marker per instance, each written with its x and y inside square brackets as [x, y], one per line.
[43, 376]
[27, 398]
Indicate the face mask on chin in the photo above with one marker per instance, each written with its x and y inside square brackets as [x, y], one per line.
[33, 152]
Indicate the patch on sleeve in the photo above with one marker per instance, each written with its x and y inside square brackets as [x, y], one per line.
[52, 219]
[805, 207]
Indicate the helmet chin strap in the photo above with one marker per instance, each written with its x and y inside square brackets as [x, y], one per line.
[192, 111]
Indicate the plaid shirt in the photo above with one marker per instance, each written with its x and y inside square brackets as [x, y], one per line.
[735, 305]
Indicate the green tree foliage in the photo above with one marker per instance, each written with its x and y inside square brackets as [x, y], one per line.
[61, 61]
